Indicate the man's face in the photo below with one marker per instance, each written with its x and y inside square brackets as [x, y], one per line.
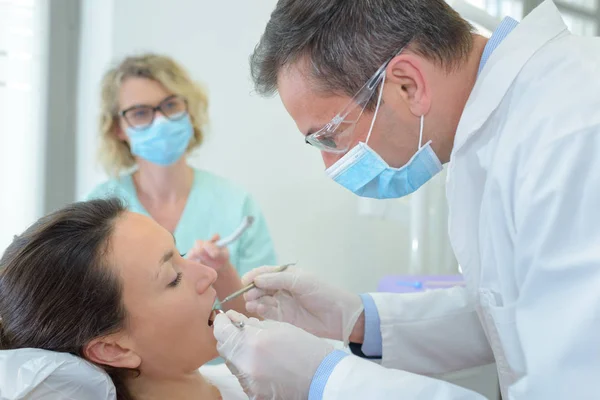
[312, 110]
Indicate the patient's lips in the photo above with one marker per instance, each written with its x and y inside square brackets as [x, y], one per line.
[213, 315]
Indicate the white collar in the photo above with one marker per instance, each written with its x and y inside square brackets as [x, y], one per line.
[542, 25]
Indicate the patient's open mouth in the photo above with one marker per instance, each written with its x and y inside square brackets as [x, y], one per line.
[213, 315]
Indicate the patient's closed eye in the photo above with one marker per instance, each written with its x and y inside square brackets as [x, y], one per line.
[176, 281]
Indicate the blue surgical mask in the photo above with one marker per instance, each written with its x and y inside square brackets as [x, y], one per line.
[163, 142]
[366, 174]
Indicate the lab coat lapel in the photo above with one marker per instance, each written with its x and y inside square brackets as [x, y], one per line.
[465, 182]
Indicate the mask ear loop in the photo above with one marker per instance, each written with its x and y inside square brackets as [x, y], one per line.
[376, 108]
[421, 132]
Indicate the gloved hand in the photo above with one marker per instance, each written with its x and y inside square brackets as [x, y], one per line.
[296, 297]
[272, 360]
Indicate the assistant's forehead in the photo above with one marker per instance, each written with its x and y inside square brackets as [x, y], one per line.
[141, 91]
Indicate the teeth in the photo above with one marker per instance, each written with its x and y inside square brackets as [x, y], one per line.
[213, 315]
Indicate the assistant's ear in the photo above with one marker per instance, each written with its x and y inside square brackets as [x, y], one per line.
[406, 73]
[112, 350]
[118, 130]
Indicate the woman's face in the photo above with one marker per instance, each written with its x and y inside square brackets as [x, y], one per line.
[168, 299]
[136, 91]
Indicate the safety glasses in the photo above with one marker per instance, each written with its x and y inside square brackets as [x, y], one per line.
[337, 135]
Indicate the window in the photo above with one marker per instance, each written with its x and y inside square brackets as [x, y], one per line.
[500, 8]
[581, 16]
[21, 144]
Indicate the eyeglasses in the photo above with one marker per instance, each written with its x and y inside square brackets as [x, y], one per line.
[140, 117]
[337, 135]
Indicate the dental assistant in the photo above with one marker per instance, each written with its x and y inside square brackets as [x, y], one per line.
[389, 91]
[153, 115]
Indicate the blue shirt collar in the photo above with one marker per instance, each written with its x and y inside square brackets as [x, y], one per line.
[501, 32]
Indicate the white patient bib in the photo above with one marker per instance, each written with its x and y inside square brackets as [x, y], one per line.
[34, 374]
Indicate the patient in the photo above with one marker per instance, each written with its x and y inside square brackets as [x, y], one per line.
[108, 285]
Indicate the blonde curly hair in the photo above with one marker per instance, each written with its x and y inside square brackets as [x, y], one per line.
[114, 154]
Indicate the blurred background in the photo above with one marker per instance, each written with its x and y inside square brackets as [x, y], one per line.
[53, 54]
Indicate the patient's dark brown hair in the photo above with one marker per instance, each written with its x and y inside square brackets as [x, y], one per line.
[57, 291]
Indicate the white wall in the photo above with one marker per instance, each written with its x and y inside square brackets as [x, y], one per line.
[95, 54]
[251, 141]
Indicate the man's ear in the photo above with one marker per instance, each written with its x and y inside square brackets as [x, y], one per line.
[406, 74]
[114, 351]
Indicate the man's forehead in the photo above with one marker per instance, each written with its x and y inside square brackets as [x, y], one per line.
[307, 106]
[294, 82]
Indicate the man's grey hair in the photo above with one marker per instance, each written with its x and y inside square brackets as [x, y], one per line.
[345, 41]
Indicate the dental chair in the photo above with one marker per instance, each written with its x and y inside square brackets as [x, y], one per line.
[32, 374]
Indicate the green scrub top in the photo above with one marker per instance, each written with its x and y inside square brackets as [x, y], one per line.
[214, 205]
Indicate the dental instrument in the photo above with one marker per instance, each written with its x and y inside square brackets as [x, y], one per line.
[246, 223]
[251, 286]
[215, 311]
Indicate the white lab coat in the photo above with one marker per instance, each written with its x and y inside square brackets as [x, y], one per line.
[524, 221]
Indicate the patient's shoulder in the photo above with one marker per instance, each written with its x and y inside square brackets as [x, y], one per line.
[220, 376]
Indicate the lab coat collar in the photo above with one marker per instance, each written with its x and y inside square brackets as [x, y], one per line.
[542, 25]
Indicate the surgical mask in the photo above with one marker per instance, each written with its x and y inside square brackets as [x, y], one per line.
[365, 173]
[163, 142]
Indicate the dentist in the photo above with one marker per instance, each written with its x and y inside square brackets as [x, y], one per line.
[389, 91]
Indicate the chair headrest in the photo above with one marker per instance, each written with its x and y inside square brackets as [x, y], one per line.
[34, 374]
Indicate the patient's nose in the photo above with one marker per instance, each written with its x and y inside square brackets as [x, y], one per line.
[204, 276]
